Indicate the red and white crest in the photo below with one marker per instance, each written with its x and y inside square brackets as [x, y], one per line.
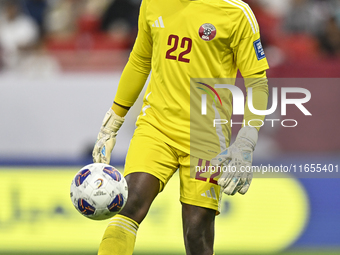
[207, 32]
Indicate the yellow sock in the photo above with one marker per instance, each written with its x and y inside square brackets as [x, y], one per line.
[119, 237]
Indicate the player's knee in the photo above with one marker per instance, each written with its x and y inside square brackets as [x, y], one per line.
[199, 238]
[136, 208]
[143, 188]
[198, 227]
[193, 236]
[197, 243]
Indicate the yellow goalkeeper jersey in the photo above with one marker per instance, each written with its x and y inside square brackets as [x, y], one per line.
[188, 42]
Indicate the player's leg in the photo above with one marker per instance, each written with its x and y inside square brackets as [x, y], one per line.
[143, 188]
[200, 197]
[149, 165]
[120, 235]
[198, 229]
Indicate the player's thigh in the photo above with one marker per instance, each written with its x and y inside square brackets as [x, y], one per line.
[150, 163]
[199, 183]
[148, 154]
[142, 190]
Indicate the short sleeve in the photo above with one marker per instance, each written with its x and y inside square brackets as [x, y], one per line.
[248, 50]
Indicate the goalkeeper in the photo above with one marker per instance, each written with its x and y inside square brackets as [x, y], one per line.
[180, 41]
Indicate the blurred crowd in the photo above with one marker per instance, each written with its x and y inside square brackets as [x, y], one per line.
[299, 29]
[37, 32]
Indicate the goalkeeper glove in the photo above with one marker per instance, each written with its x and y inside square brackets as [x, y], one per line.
[237, 161]
[106, 139]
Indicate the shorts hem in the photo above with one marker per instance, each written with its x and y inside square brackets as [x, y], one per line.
[190, 201]
[159, 177]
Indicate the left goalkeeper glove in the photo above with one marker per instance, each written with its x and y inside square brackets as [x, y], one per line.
[237, 175]
[106, 139]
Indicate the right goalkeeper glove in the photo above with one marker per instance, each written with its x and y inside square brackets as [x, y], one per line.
[106, 139]
[239, 157]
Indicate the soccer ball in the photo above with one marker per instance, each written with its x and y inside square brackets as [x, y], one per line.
[99, 191]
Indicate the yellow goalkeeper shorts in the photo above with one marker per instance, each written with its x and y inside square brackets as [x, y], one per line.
[149, 154]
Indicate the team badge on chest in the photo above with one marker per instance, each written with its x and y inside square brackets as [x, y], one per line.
[207, 32]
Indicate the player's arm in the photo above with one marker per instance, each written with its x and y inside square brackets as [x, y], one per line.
[130, 85]
[258, 82]
[252, 63]
[240, 153]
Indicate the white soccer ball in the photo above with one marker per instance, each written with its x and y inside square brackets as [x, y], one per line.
[99, 191]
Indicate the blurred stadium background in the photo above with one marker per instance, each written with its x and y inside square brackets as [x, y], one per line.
[60, 63]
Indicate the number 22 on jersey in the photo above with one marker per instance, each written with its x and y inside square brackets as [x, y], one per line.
[185, 44]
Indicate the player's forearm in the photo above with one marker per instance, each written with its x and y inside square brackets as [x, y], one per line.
[131, 83]
[259, 84]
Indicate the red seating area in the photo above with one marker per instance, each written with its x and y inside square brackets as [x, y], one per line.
[90, 49]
